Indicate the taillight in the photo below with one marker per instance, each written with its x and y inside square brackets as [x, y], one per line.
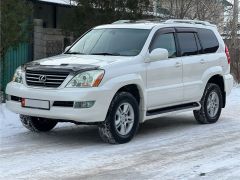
[227, 54]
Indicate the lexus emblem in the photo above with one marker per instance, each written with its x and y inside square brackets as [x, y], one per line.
[42, 78]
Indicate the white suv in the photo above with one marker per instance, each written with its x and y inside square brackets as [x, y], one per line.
[119, 75]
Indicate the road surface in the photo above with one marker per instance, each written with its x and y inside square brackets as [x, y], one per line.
[173, 147]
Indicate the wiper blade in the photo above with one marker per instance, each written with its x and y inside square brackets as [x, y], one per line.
[106, 54]
[73, 53]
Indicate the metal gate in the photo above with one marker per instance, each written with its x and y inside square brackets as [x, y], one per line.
[14, 58]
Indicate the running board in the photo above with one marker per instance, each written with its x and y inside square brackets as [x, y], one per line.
[172, 108]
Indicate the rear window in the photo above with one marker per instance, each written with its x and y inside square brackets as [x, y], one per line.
[188, 44]
[208, 40]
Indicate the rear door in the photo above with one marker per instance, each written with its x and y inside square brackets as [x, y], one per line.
[164, 77]
[196, 59]
[193, 64]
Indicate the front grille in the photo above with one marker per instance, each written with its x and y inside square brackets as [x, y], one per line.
[45, 78]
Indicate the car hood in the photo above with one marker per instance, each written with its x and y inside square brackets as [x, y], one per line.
[67, 59]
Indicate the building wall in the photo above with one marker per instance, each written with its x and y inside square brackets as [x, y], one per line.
[52, 15]
[61, 14]
[48, 41]
[46, 13]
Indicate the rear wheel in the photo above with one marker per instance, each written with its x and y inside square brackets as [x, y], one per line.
[37, 124]
[211, 105]
[122, 121]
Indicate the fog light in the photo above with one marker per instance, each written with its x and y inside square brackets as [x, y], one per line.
[83, 104]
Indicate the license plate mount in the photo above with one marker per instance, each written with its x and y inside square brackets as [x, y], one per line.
[35, 104]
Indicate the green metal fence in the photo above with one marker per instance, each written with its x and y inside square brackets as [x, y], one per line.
[13, 58]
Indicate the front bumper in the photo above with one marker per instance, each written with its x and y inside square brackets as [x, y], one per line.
[97, 113]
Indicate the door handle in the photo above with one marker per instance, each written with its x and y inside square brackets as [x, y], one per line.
[202, 61]
[178, 64]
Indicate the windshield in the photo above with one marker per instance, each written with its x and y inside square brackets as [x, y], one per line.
[115, 42]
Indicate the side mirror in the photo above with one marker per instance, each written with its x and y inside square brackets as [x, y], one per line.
[158, 54]
[67, 48]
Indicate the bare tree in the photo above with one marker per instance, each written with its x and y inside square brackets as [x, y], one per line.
[175, 8]
[180, 8]
[232, 40]
[213, 11]
[235, 42]
[209, 10]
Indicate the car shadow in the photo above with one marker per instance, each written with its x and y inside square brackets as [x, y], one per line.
[168, 123]
[66, 134]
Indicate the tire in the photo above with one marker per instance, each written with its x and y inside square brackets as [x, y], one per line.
[211, 105]
[37, 124]
[122, 121]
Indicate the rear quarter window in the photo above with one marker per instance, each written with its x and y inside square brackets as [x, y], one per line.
[208, 40]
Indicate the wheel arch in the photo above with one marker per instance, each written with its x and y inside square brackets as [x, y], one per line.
[132, 83]
[219, 80]
[137, 92]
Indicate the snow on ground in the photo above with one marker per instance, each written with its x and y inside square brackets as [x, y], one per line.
[173, 147]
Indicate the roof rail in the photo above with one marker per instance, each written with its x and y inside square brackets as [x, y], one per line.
[138, 21]
[189, 22]
[122, 21]
[170, 21]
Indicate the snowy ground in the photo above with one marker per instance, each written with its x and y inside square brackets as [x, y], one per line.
[172, 147]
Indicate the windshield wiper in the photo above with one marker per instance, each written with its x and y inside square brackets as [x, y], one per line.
[73, 53]
[106, 54]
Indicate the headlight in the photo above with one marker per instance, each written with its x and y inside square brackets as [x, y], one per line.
[87, 79]
[18, 75]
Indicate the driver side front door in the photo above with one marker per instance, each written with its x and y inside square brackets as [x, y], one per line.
[164, 77]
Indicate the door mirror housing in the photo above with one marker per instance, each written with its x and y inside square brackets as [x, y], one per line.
[158, 54]
[67, 48]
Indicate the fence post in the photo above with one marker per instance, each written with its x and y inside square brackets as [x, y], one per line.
[38, 41]
[1, 80]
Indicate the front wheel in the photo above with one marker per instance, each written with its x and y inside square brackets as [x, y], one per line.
[122, 120]
[37, 124]
[211, 105]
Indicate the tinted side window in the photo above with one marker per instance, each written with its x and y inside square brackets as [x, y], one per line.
[188, 44]
[165, 41]
[208, 40]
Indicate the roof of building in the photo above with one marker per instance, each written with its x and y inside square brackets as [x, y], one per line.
[226, 3]
[74, 3]
[61, 2]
